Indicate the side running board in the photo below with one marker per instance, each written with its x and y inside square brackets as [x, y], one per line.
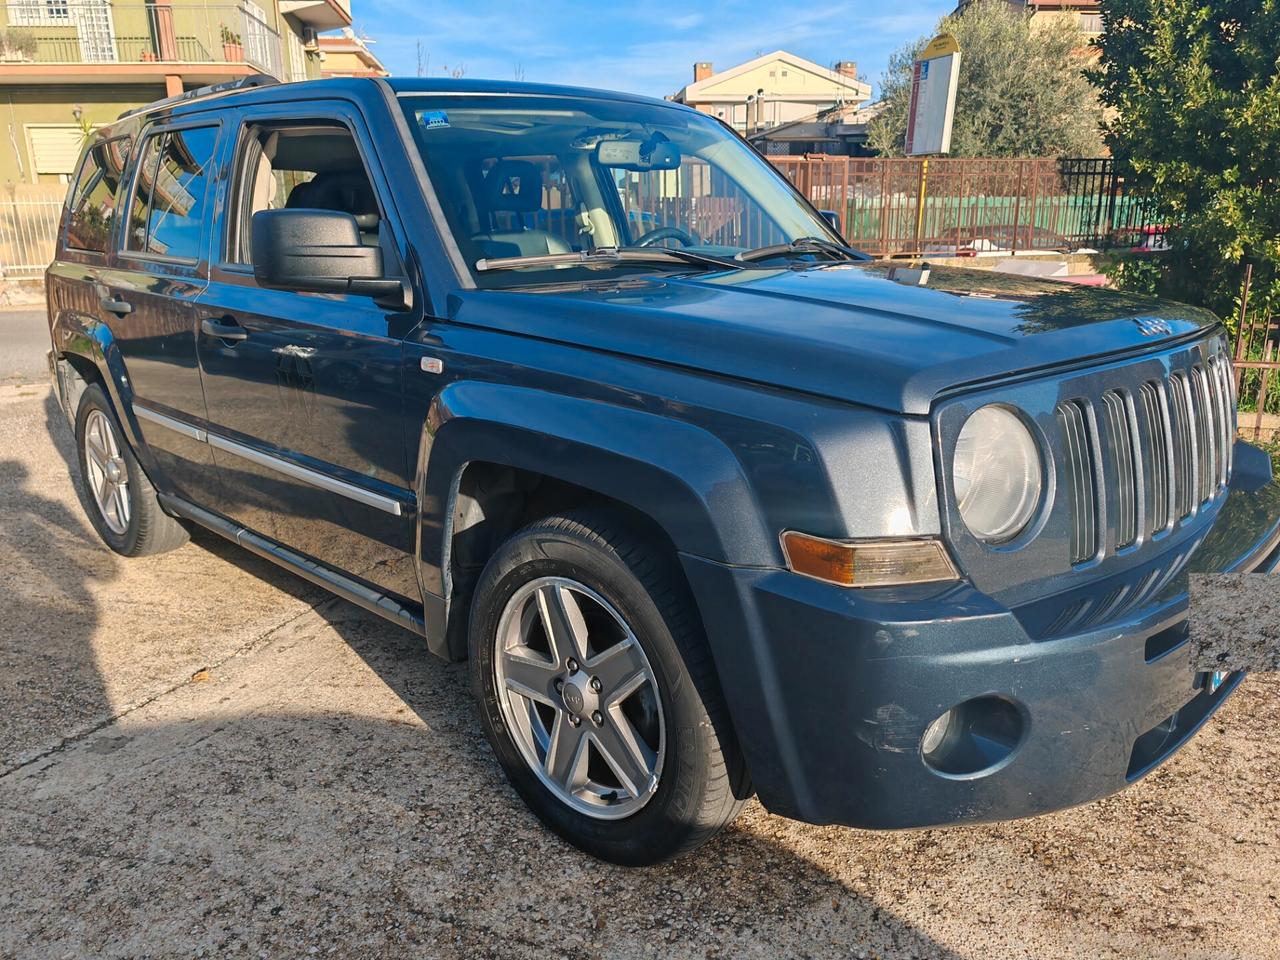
[330, 579]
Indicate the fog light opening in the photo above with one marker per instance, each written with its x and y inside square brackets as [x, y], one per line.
[974, 738]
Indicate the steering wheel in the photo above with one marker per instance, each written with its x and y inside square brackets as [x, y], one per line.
[659, 234]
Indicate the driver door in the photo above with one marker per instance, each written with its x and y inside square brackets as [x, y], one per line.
[304, 389]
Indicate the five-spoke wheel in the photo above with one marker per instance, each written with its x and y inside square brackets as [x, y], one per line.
[119, 498]
[580, 697]
[108, 477]
[598, 691]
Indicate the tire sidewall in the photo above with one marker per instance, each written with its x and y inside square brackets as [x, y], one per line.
[125, 543]
[674, 808]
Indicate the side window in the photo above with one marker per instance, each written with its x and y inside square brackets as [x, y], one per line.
[167, 216]
[301, 165]
[93, 201]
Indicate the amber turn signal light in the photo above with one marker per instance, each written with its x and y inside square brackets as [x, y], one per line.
[867, 563]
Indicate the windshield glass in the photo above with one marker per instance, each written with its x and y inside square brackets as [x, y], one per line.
[521, 176]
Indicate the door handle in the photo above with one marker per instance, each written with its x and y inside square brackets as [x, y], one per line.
[121, 308]
[225, 329]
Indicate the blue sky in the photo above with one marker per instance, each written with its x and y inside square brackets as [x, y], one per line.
[642, 46]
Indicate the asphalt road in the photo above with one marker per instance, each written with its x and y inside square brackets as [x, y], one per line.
[24, 340]
[201, 755]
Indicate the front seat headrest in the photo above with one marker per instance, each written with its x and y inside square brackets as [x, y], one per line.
[345, 192]
[513, 186]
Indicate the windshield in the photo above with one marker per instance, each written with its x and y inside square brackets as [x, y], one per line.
[525, 177]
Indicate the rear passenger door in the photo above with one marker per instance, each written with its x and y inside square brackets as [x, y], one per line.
[304, 389]
[148, 292]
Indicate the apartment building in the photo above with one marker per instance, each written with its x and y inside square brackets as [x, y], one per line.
[1084, 15]
[69, 65]
[348, 55]
[773, 89]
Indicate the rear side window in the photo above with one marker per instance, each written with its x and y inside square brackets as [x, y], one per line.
[169, 201]
[93, 201]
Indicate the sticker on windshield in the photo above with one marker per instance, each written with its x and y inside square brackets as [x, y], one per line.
[432, 119]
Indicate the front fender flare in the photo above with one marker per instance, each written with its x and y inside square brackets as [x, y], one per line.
[678, 474]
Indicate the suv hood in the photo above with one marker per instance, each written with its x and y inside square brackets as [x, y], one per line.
[844, 331]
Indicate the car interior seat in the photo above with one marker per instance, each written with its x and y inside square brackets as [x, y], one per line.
[515, 187]
[345, 191]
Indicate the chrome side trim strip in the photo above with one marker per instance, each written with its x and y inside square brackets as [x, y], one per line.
[186, 429]
[313, 477]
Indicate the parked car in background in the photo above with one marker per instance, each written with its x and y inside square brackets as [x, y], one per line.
[575, 386]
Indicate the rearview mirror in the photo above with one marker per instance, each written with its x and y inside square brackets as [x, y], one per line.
[317, 251]
[656, 153]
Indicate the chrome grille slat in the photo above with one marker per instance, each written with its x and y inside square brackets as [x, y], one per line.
[1184, 445]
[1124, 467]
[1206, 435]
[1081, 480]
[1157, 457]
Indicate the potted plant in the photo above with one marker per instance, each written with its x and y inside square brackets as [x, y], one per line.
[18, 46]
[232, 46]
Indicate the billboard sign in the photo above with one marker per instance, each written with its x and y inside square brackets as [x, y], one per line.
[933, 98]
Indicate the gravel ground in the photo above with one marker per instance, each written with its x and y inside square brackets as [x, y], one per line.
[200, 755]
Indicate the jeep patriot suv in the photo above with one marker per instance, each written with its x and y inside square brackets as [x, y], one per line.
[578, 388]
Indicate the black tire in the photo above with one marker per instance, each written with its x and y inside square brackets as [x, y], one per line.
[703, 782]
[149, 529]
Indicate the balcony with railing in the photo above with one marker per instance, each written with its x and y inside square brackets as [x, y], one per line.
[137, 32]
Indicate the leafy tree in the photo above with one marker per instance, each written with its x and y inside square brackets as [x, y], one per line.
[1195, 90]
[1022, 90]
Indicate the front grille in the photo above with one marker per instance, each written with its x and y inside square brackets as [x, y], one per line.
[1162, 451]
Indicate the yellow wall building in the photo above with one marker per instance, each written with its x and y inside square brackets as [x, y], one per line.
[348, 55]
[66, 65]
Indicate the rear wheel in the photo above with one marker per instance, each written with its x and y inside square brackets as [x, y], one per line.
[120, 500]
[598, 691]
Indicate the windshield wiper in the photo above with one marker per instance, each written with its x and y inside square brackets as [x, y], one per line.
[802, 245]
[607, 257]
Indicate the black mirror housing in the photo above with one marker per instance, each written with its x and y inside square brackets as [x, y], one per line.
[317, 251]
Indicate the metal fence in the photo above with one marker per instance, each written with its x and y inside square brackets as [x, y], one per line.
[895, 207]
[1257, 363]
[28, 225]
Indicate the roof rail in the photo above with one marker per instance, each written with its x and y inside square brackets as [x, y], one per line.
[200, 93]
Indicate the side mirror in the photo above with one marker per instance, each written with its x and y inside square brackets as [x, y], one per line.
[833, 218]
[317, 251]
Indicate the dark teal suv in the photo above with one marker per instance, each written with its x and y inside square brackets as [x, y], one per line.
[575, 386]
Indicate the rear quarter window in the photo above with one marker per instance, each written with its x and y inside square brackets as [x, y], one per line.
[92, 201]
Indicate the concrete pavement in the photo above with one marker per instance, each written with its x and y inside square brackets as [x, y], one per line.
[201, 755]
[24, 341]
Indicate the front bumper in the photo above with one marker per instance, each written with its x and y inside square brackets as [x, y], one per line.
[831, 690]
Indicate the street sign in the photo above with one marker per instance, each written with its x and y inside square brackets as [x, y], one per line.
[933, 98]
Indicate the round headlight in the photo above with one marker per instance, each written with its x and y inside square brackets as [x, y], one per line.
[997, 474]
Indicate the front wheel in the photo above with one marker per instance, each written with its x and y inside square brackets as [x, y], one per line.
[598, 693]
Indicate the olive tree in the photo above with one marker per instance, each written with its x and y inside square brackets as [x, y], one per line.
[1194, 91]
[1022, 92]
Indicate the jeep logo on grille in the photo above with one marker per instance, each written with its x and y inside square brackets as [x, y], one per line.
[1154, 328]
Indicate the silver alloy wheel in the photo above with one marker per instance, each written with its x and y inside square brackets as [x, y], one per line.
[108, 477]
[579, 698]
